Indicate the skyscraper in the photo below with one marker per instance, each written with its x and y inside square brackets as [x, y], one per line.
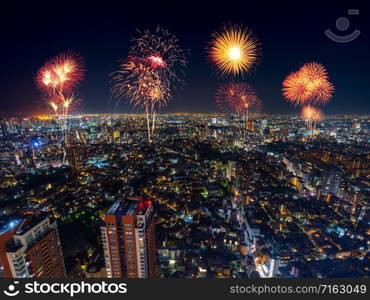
[30, 248]
[129, 239]
[74, 157]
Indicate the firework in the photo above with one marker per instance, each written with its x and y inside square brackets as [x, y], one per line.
[235, 50]
[140, 84]
[294, 89]
[161, 53]
[61, 105]
[150, 73]
[55, 108]
[58, 80]
[312, 114]
[238, 97]
[61, 73]
[319, 89]
[310, 84]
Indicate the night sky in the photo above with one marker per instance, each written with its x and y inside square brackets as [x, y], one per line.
[290, 35]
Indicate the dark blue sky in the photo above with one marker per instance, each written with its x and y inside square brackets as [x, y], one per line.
[290, 34]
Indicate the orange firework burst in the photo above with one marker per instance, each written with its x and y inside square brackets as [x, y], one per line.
[310, 84]
[61, 73]
[311, 114]
[234, 51]
[238, 97]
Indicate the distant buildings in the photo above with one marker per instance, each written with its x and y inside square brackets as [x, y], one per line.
[30, 248]
[129, 239]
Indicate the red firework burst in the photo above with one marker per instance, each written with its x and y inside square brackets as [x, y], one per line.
[238, 97]
[162, 53]
[140, 84]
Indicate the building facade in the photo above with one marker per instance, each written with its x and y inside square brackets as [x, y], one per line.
[129, 239]
[31, 248]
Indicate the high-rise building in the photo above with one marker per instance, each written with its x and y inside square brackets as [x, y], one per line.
[129, 239]
[116, 136]
[74, 158]
[30, 248]
[250, 125]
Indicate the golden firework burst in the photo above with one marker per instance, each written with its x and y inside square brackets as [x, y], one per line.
[234, 51]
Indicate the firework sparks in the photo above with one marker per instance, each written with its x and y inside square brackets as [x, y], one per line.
[310, 84]
[61, 73]
[54, 106]
[140, 84]
[58, 80]
[311, 114]
[156, 62]
[234, 51]
[161, 52]
[61, 105]
[151, 72]
[238, 97]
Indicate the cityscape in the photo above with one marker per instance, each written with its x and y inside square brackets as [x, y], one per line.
[279, 204]
[154, 146]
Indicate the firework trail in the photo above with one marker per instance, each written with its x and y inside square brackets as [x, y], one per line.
[309, 85]
[150, 74]
[233, 51]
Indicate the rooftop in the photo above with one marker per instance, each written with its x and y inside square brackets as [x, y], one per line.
[129, 207]
[8, 224]
[31, 222]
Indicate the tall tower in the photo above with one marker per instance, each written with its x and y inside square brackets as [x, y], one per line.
[31, 248]
[129, 239]
[116, 136]
[74, 158]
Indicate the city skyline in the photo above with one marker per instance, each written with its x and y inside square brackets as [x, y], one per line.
[103, 41]
[206, 197]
